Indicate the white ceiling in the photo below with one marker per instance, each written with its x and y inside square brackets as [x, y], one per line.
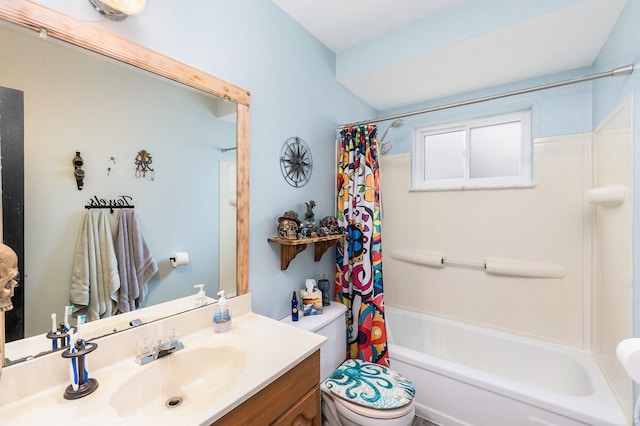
[393, 53]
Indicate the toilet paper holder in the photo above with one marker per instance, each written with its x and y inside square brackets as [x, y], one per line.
[179, 259]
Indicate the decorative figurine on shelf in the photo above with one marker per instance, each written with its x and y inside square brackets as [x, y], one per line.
[309, 226]
[324, 285]
[331, 223]
[8, 276]
[308, 232]
[288, 225]
[309, 216]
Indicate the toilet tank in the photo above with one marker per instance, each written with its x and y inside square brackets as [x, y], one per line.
[331, 324]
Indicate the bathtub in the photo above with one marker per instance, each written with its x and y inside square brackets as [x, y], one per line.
[469, 375]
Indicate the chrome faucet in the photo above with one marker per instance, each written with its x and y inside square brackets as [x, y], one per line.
[167, 348]
[147, 351]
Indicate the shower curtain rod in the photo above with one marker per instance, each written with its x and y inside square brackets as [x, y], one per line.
[626, 70]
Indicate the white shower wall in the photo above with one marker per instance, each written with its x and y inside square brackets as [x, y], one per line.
[543, 224]
[612, 249]
[589, 308]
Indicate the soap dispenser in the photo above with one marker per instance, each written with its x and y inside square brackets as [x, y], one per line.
[222, 315]
[201, 297]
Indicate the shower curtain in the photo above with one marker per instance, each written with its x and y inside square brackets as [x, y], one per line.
[359, 256]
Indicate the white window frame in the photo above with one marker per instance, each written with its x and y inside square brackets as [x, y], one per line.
[524, 179]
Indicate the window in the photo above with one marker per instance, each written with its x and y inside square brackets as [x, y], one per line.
[482, 153]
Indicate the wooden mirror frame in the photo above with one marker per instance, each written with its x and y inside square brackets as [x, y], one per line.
[37, 17]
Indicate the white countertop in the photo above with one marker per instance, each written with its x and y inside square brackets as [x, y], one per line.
[34, 345]
[271, 348]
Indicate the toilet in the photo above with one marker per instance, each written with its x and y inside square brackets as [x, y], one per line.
[342, 406]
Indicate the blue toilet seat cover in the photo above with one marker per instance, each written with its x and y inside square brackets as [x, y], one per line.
[370, 385]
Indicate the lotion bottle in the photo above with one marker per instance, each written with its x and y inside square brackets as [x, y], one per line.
[294, 307]
[222, 315]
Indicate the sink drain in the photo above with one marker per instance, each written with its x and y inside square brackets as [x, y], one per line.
[173, 402]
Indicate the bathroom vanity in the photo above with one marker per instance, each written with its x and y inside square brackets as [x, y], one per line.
[260, 372]
[281, 402]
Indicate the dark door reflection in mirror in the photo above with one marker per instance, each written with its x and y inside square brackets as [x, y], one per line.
[79, 101]
[12, 179]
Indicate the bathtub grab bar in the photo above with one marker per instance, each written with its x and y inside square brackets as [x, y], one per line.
[515, 268]
[465, 263]
[434, 260]
[491, 266]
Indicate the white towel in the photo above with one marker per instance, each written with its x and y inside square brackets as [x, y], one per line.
[94, 279]
[136, 264]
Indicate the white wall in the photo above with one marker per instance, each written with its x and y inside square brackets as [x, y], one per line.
[590, 308]
[611, 249]
[613, 317]
[543, 224]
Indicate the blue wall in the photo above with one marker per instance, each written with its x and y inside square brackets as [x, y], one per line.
[255, 45]
[622, 48]
[561, 111]
[291, 77]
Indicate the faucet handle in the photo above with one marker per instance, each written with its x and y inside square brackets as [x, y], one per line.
[145, 350]
[173, 336]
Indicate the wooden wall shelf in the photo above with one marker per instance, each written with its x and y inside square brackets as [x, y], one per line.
[290, 248]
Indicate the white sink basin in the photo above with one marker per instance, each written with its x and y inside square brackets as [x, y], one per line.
[187, 378]
[213, 374]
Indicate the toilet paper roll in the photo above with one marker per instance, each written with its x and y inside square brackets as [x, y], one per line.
[180, 258]
[628, 352]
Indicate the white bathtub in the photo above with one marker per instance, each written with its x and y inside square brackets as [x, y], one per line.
[469, 375]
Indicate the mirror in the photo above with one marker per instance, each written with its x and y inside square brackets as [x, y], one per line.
[198, 188]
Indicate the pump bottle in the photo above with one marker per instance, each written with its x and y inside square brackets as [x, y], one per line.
[222, 315]
[201, 297]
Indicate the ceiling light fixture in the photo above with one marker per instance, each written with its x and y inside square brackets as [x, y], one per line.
[117, 10]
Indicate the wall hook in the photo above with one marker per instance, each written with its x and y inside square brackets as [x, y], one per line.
[111, 160]
[143, 164]
[78, 172]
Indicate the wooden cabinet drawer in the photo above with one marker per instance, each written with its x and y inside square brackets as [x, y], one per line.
[265, 407]
[306, 412]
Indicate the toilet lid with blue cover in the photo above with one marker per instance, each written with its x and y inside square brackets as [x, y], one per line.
[370, 385]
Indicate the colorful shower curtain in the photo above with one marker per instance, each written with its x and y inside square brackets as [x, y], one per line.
[359, 257]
